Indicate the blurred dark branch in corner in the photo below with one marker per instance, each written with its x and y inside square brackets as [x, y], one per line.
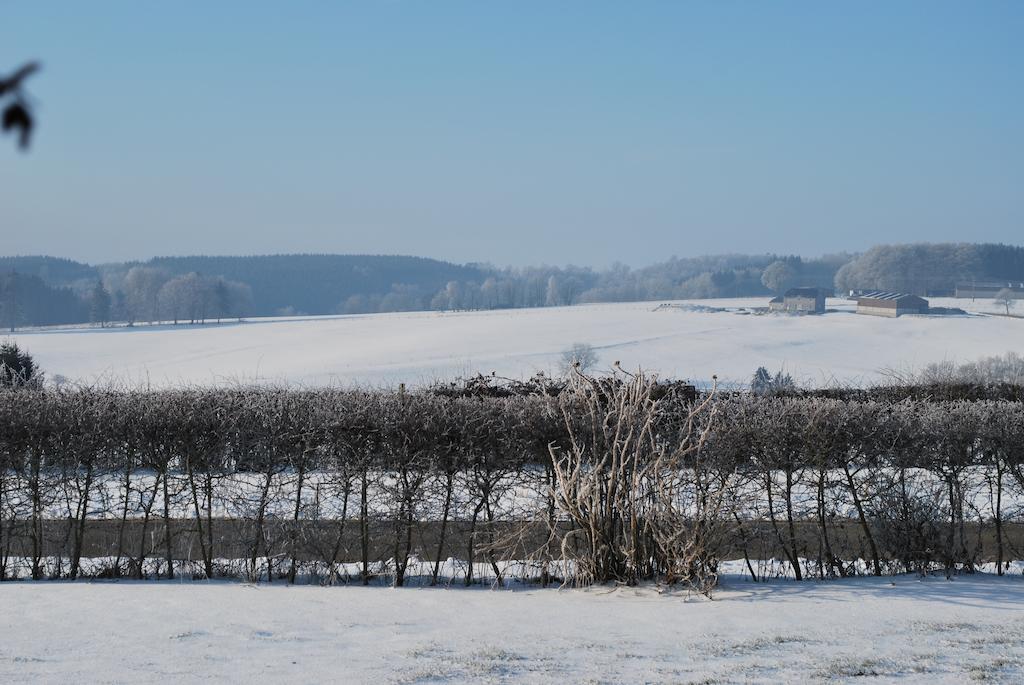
[17, 114]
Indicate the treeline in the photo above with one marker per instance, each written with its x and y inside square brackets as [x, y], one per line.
[28, 299]
[590, 480]
[147, 293]
[323, 284]
[357, 284]
[54, 271]
[931, 269]
[691, 278]
[81, 294]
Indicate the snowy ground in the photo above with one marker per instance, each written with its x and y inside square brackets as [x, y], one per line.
[702, 338]
[865, 630]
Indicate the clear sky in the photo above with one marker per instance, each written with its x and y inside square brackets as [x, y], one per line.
[514, 133]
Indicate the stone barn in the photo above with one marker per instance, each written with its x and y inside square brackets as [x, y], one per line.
[800, 301]
[890, 304]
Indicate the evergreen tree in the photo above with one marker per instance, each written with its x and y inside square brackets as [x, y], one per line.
[762, 381]
[222, 299]
[17, 368]
[122, 310]
[10, 307]
[782, 381]
[99, 304]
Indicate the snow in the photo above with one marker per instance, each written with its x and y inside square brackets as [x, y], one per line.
[903, 628]
[876, 629]
[707, 337]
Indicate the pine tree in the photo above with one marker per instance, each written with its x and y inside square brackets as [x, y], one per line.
[762, 381]
[782, 381]
[10, 307]
[99, 304]
[222, 299]
[17, 368]
[122, 310]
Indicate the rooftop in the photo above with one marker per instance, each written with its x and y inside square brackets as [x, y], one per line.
[882, 295]
[803, 292]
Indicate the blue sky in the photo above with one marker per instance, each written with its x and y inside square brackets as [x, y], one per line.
[514, 133]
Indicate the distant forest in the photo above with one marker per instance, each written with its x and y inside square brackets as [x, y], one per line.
[38, 291]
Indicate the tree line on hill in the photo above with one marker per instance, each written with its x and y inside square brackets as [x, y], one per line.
[28, 299]
[144, 294]
[931, 269]
[46, 290]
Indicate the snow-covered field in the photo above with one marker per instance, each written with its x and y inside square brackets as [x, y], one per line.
[690, 341]
[875, 629]
[860, 630]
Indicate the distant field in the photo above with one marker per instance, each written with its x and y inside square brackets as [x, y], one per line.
[422, 346]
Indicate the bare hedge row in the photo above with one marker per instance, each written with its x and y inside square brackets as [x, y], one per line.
[619, 479]
[245, 429]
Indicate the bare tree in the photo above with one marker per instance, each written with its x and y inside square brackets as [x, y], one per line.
[1006, 298]
[580, 357]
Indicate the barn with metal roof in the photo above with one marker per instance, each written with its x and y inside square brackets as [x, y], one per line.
[879, 303]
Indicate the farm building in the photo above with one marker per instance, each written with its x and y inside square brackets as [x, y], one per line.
[799, 301]
[890, 304]
[989, 289]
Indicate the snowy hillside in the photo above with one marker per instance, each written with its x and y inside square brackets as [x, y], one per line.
[694, 340]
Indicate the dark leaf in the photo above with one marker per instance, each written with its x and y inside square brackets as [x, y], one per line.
[17, 117]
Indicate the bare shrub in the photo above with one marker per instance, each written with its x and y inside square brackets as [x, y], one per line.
[640, 503]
